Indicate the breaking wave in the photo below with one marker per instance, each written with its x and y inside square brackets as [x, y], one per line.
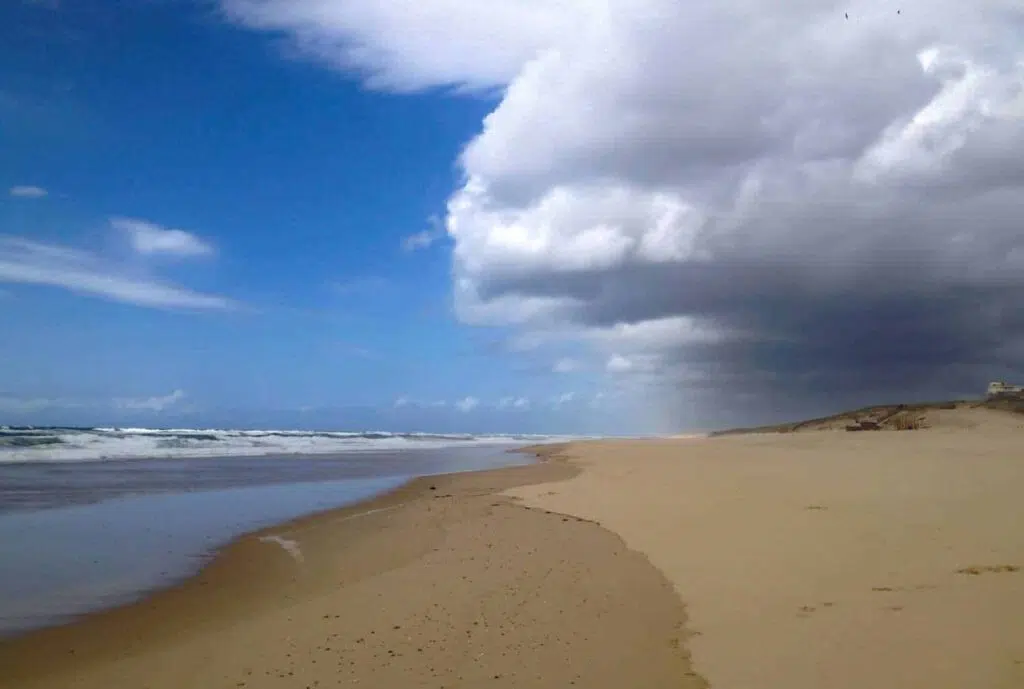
[28, 444]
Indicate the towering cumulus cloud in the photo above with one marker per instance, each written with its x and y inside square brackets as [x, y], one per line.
[734, 202]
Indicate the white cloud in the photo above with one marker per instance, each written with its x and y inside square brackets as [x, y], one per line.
[518, 403]
[643, 359]
[671, 184]
[150, 239]
[153, 404]
[566, 365]
[427, 238]
[563, 399]
[36, 263]
[402, 401]
[467, 404]
[406, 45]
[619, 364]
[421, 240]
[27, 192]
[683, 180]
[654, 333]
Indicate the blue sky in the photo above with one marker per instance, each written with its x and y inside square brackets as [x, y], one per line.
[312, 207]
[515, 215]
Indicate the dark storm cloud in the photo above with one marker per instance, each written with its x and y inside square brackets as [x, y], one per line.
[736, 202]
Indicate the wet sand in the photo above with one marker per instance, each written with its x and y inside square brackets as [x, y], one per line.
[444, 583]
[77, 537]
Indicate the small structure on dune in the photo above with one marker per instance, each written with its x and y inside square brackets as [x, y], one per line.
[1000, 389]
[900, 417]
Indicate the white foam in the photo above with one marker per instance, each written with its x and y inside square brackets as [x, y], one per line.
[291, 547]
[136, 443]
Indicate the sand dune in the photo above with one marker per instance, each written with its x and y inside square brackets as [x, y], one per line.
[839, 560]
[954, 414]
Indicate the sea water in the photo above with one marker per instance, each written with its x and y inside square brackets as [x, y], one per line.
[80, 536]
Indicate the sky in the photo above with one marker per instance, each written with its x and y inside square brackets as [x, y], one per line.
[571, 216]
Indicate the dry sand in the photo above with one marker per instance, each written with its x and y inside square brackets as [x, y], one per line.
[442, 584]
[830, 559]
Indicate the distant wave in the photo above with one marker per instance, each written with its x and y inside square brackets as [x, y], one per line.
[55, 444]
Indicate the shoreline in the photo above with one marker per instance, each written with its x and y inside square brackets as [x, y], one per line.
[804, 559]
[385, 500]
[283, 503]
[258, 583]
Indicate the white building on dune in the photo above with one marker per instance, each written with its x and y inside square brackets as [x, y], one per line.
[999, 388]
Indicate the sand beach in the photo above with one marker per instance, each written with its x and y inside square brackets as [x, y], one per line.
[793, 560]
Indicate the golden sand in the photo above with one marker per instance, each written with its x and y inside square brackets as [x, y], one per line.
[819, 560]
[829, 559]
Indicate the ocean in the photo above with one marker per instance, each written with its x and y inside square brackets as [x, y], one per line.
[96, 517]
[35, 444]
